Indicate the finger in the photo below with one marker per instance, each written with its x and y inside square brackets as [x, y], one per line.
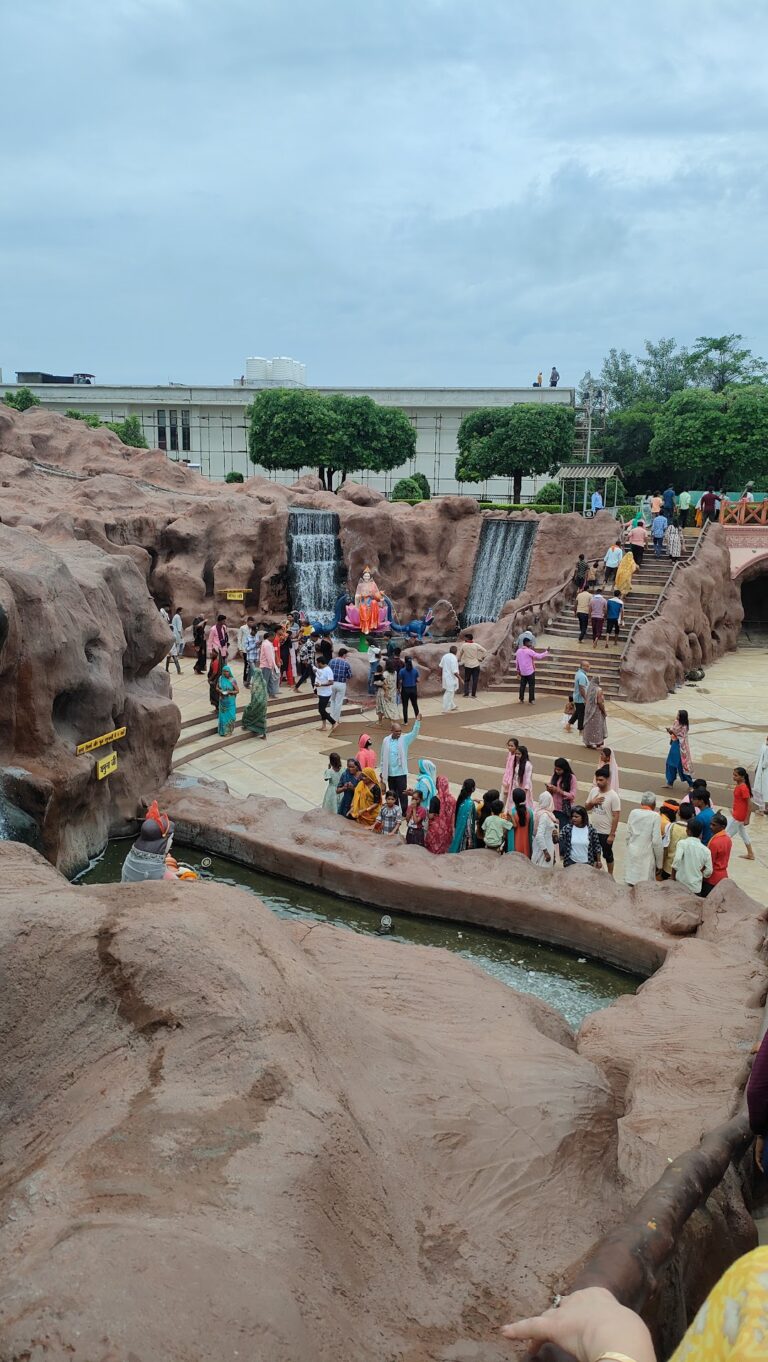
[537, 1330]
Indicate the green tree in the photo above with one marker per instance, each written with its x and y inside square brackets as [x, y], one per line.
[709, 437]
[627, 441]
[234, 476]
[514, 442]
[337, 435]
[406, 489]
[549, 495]
[423, 483]
[716, 362]
[129, 432]
[22, 399]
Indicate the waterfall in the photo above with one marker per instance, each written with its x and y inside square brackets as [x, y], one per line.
[501, 567]
[315, 563]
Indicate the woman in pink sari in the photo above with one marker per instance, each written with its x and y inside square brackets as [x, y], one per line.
[440, 832]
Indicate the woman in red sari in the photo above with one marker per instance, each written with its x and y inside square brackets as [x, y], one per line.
[440, 832]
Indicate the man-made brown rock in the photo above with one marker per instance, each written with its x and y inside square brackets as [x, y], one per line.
[698, 622]
[79, 640]
[224, 1135]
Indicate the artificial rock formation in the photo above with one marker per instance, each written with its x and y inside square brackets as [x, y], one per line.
[698, 622]
[193, 539]
[224, 1135]
[80, 639]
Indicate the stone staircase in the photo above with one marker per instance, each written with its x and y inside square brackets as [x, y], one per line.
[199, 735]
[555, 676]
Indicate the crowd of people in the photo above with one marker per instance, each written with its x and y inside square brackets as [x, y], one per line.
[689, 841]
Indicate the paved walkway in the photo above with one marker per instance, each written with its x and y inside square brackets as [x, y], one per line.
[728, 724]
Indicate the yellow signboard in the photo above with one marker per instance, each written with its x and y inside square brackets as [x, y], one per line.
[106, 765]
[100, 742]
[235, 595]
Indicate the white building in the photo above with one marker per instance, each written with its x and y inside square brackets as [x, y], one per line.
[207, 427]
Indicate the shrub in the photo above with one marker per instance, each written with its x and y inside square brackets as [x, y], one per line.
[129, 432]
[89, 418]
[234, 476]
[407, 489]
[549, 495]
[422, 484]
[21, 400]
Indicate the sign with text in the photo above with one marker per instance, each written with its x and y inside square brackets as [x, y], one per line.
[235, 595]
[100, 742]
[106, 765]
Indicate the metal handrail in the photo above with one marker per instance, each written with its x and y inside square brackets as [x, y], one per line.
[662, 596]
[531, 608]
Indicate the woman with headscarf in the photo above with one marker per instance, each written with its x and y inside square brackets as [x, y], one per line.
[624, 574]
[545, 831]
[255, 712]
[366, 799]
[426, 782]
[366, 752]
[386, 694]
[228, 690]
[465, 824]
[595, 728]
[441, 823]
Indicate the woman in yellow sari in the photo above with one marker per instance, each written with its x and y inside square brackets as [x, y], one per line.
[624, 574]
[366, 800]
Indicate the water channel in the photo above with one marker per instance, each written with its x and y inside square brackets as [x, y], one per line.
[573, 985]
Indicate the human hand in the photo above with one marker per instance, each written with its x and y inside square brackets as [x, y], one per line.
[611, 838]
[587, 1324]
[759, 1147]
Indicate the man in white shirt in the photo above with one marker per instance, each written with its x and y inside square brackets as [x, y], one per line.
[645, 851]
[612, 559]
[471, 655]
[604, 806]
[693, 861]
[449, 673]
[323, 691]
[242, 645]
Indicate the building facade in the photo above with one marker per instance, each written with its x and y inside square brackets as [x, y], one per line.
[207, 427]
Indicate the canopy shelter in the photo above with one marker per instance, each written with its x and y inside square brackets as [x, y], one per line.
[582, 473]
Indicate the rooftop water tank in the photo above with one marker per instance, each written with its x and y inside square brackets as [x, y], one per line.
[285, 369]
[256, 369]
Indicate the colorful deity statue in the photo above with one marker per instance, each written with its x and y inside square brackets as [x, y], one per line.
[367, 597]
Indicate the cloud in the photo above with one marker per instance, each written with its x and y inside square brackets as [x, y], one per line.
[403, 191]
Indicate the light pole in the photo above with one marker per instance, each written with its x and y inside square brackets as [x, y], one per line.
[588, 408]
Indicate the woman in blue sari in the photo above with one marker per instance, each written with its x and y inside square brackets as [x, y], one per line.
[228, 689]
[464, 838]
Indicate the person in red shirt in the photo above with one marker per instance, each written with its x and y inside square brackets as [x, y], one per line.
[740, 813]
[720, 845]
[708, 505]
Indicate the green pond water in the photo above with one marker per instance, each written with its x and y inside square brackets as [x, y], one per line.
[571, 984]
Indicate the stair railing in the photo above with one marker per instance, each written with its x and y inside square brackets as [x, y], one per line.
[653, 614]
[535, 613]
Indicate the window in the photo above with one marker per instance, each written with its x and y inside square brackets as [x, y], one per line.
[161, 437]
[185, 430]
[173, 421]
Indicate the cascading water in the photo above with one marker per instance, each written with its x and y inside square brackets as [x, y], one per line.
[315, 563]
[501, 567]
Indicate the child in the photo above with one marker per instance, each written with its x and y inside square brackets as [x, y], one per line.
[720, 846]
[496, 827]
[332, 777]
[390, 817]
[568, 713]
[693, 863]
[417, 820]
[521, 838]
[740, 812]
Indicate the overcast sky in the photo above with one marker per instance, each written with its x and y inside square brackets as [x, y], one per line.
[440, 192]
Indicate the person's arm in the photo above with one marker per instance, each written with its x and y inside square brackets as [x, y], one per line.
[615, 824]
[408, 738]
[570, 793]
[594, 803]
[658, 850]
[540, 656]
[708, 867]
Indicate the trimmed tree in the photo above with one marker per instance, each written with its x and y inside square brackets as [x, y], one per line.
[423, 483]
[337, 435]
[514, 442]
[407, 489]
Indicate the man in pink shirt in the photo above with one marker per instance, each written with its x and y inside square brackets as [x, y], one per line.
[525, 660]
[268, 665]
[597, 611]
